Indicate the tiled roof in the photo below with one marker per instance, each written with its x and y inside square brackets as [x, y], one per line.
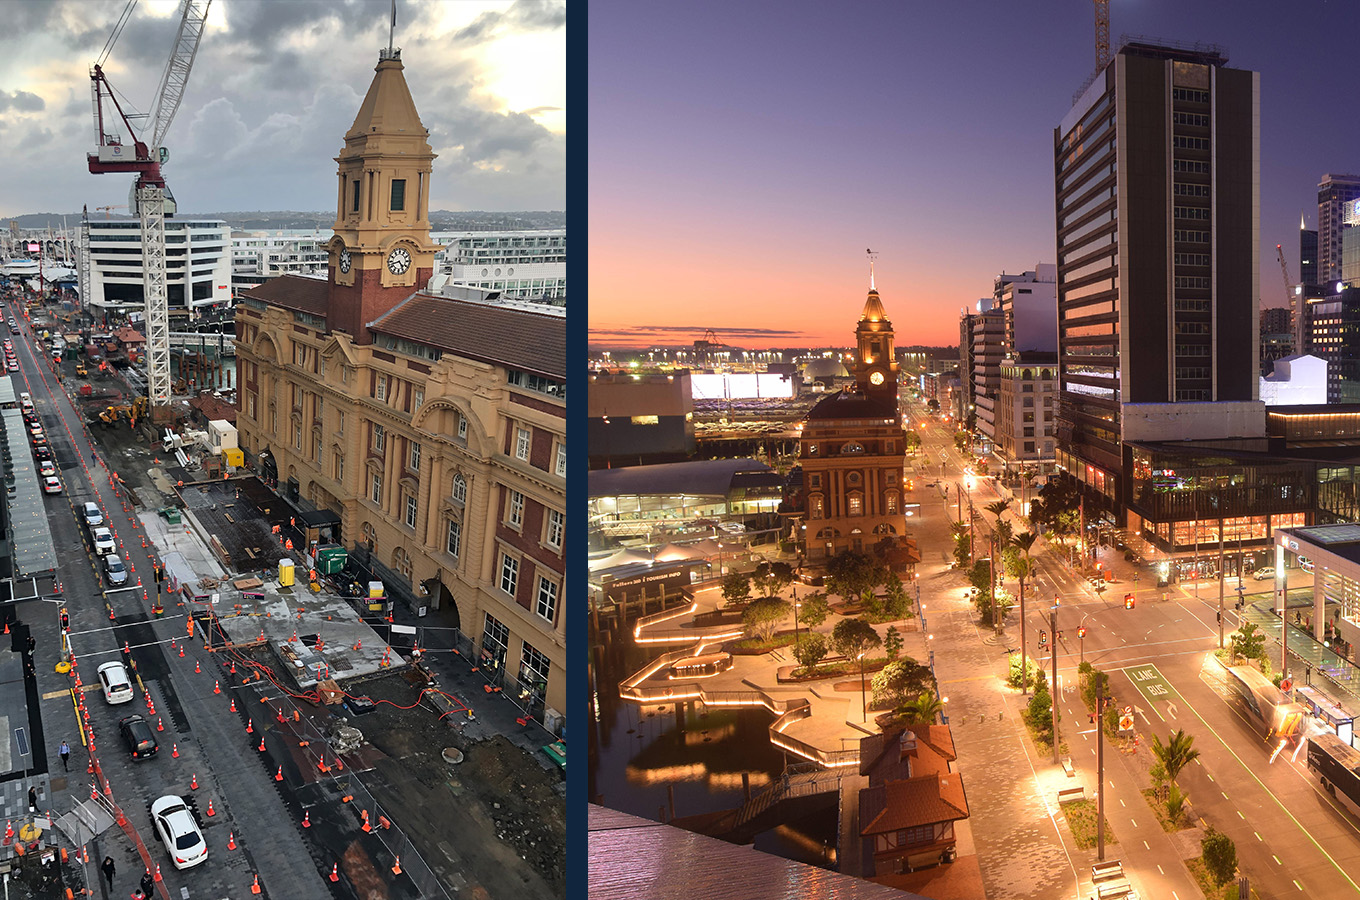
[214, 407]
[850, 405]
[913, 802]
[514, 338]
[293, 292]
[129, 335]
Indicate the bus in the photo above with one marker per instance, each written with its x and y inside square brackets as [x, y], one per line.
[1337, 765]
[1267, 704]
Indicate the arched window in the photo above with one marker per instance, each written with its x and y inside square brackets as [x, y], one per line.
[852, 447]
[816, 507]
[854, 504]
[890, 502]
[459, 489]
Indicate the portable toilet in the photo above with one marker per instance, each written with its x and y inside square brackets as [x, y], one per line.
[285, 573]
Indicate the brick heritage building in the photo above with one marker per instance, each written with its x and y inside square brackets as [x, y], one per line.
[853, 451]
[434, 427]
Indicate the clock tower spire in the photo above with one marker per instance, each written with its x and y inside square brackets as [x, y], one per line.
[381, 252]
[876, 363]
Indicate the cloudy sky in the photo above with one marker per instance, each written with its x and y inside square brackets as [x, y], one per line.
[743, 155]
[274, 88]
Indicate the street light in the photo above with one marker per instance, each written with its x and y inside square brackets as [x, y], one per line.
[1053, 694]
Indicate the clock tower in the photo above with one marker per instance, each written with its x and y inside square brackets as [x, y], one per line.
[876, 364]
[381, 252]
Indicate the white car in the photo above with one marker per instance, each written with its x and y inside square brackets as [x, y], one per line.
[47, 467]
[114, 570]
[103, 541]
[92, 514]
[1264, 574]
[52, 484]
[178, 830]
[117, 686]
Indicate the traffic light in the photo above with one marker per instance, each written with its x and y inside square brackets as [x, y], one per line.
[1081, 631]
[1128, 601]
[65, 620]
[1043, 638]
[1060, 634]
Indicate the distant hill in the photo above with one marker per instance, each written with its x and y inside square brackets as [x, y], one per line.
[440, 220]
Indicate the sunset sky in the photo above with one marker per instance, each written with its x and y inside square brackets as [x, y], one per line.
[743, 156]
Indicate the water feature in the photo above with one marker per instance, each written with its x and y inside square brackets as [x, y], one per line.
[643, 759]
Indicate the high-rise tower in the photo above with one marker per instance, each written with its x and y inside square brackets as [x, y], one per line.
[1157, 169]
[1334, 192]
[381, 252]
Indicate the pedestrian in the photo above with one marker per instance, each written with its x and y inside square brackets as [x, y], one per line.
[148, 884]
[33, 799]
[32, 644]
[65, 752]
[108, 869]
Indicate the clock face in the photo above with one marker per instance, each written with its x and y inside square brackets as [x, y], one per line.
[876, 378]
[344, 261]
[398, 261]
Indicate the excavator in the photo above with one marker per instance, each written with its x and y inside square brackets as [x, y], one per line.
[132, 412]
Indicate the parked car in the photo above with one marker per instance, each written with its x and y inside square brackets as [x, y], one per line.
[178, 830]
[114, 570]
[1264, 574]
[92, 514]
[140, 739]
[103, 541]
[113, 676]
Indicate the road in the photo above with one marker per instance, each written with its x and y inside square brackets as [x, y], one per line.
[1293, 840]
[246, 802]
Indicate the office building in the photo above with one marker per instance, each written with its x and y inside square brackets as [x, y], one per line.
[1029, 306]
[198, 265]
[982, 346]
[1334, 192]
[637, 420]
[1157, 202]
[1308, 253]
[1350, 244]
[433, 427]
[1027, 411]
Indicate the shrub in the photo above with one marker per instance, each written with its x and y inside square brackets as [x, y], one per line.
[899, 681]
[763, 616]
[736, 587]
[810, 650]
[892, 642]
[1220, 855]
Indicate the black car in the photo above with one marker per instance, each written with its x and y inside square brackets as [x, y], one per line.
[141, 740]
[41, 452]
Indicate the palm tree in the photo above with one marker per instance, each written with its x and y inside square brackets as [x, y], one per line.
[922, 710]
[1175, 754]
[997, 508]
[1025, 567]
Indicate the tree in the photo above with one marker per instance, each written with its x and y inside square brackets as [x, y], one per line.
[913, 442]
[963, 553]
[922, 709]
[1177, 753]
[896, 604]
[1175, 804]
[763, 616]
[1023, 567]
[852, 637]
[899, 680]
[772, 577]
[810, 650]
[892, 642]
[962, 441]
[1056, 508]
[1001, 536]
[1220, 855]
[813, 609]
[851, 574]
[1247, 642]
[1039, 713]
[736, 587]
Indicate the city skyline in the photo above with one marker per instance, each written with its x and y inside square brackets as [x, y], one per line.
[272, 86]
[794, 143]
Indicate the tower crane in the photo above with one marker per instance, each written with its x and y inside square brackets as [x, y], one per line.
[1102, 33]
[107, 209]
[150, 195]
[1295, 298]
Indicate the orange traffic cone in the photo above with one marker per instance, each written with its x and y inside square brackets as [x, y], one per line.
[181, 650]
[160, 726]
[210, 809]
[233, 667]
[261, 743]
[197, 670]
[174, 750]
[364, 815]
[278, 776]
[250, 726]
[193, 783]
[255, 888]
[233, 704]
[396, 867]
[335, 872]
[231, 840]
[307, 819]
[158, 872]
[217, 687]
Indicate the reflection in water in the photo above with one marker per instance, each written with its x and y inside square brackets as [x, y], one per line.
[643, 758]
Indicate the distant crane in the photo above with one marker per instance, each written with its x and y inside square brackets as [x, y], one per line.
[1295, 298]
[1102, 34]
[150, 195]
[106, 209]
